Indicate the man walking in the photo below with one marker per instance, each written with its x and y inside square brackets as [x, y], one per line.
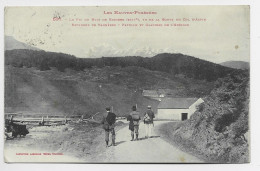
[148, 122]
[134, 119]
[108, 122]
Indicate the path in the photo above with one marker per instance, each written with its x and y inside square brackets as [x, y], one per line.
[154, 150]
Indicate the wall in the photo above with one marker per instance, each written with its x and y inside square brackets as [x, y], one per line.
[173, 114]
[193, 107]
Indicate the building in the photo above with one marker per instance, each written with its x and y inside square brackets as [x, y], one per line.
[177, 108]
[150, 93]
[154, 94]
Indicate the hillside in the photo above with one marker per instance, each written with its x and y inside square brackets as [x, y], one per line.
[236, 64]
[86, 92]
[174, 64]
[11, 43]
[48, 82]
[30, 90]
[219, 130]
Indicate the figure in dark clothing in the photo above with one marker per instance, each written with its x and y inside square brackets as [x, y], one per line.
[108, 122]
[134, 119]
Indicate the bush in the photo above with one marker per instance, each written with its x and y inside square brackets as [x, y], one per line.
[220, 123]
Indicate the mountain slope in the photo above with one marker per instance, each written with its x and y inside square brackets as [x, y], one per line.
[48, 82]
[11, 43]
[189, 66]
[29, 90]
[236, 64]
[219, 129]
[174, 64]
[53, 92]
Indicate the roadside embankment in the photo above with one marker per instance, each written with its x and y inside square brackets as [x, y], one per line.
[167, 130]
[80, 142]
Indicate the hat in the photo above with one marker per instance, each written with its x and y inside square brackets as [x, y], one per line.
[108, 108]
[149, 107]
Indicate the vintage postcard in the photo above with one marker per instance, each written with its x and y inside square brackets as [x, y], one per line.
[127, 84]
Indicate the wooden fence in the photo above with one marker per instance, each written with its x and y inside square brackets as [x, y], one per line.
[45, 119]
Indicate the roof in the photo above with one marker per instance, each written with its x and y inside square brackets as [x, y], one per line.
[176, 103]
[151, 93]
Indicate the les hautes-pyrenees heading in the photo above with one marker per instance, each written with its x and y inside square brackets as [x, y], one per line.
[130, 12]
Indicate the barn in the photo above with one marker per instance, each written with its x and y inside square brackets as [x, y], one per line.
[177, 108]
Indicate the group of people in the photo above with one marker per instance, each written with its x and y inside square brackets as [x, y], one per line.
[134, 119]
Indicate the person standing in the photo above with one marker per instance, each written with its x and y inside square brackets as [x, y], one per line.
[134, 119]
[108, 122]
[148, 122]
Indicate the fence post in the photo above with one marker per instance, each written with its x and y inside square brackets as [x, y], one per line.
[42, 121]
[11, 119]
[66, 119]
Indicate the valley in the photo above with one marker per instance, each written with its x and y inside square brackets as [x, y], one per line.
[62, 84]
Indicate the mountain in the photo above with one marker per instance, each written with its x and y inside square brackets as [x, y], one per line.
[11, 43]
[174, 64]
[236, 64]
[189, 66]
[48, 82]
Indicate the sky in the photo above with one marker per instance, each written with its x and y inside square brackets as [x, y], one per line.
[223, 36]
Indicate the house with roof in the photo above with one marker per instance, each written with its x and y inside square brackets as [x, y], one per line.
[177, 108]
[150, 93]
[154, 94]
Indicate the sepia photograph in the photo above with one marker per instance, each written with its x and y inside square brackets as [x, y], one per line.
[127, 84]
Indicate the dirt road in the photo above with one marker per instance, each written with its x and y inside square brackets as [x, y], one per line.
[74, 146]
[154, 150]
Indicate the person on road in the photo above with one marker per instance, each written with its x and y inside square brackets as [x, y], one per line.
[148, 122]
[108, 122]
[134, 119]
